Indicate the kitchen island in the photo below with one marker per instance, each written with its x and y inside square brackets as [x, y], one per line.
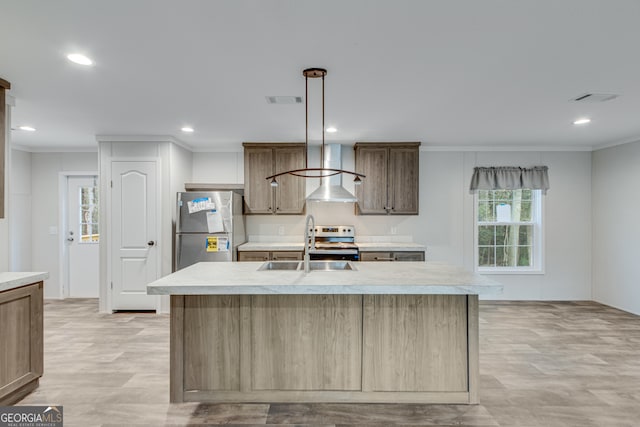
[385, 332]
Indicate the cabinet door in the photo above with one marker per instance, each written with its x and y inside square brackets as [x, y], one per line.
[409, 256]
[286, 256]
[372, 193]
[376, 256]
[253, 256]
[403, 180]
[258, 195]
[290, 193]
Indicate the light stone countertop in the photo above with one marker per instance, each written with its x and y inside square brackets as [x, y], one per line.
[363, 246]
[11, 280]
[243, 278]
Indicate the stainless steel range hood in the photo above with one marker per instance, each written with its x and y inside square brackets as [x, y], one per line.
[331, 189]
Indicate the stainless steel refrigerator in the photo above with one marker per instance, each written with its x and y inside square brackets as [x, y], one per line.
[209, 227]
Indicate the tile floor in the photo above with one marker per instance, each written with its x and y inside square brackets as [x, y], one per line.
[542, 364]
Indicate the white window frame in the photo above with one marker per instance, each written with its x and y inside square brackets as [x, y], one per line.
[537, 252]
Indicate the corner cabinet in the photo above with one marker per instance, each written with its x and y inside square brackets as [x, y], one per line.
[392, 177]
[265, 159]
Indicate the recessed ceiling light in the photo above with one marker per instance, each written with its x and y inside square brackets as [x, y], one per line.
[332, 129]
[27, 128]
[187, 129]
[79, 58]
[582, 121]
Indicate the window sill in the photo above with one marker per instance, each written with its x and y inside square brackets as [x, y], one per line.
[510, 271]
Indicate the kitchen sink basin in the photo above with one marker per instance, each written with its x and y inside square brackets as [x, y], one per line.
[313, 266]
[279, 265]
[329, 266]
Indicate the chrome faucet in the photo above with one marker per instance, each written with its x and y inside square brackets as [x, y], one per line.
[308, 245]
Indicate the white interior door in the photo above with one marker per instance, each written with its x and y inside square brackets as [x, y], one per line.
[82, 236]
[134, 212]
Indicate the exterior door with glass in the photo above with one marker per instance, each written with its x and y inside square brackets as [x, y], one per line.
[82, 237]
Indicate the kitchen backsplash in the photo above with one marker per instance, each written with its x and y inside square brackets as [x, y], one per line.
[287, 228]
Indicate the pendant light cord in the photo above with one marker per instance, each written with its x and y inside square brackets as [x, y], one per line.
[306, 121]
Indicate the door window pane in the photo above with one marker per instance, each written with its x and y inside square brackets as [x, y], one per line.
[89, 215]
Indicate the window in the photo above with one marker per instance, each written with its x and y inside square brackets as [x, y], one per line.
[89, 232]
[508, 231]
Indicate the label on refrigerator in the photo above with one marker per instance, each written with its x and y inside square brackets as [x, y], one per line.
[217, 244]
[200, 204]
[214, 222]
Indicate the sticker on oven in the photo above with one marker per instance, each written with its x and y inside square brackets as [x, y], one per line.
[200, 204]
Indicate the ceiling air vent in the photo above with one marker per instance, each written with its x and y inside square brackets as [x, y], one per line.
[284, 100]
[595, 97]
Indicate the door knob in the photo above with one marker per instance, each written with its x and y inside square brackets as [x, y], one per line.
[151, 243]
[70, 239]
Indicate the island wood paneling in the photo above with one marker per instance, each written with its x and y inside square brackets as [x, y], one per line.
[324, 348]
[415, 343]
[212, 338]
[21, 342]
[306, 342]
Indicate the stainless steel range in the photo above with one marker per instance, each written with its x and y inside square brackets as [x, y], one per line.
[335, 242]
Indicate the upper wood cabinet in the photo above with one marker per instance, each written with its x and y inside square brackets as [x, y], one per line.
[264, 159]
[392, 177]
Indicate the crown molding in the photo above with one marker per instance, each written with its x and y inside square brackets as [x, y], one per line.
[143, 138]
[31, 149]
[617, 143]
[506, 148]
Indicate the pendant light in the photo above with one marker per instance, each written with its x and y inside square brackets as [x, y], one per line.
[327, 192]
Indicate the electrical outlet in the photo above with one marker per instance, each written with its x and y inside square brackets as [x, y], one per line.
[281, 230]
[394, 230]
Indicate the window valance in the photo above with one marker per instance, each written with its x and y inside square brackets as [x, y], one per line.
[509, 178]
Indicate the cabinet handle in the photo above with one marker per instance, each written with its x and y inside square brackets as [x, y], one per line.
[383, 259]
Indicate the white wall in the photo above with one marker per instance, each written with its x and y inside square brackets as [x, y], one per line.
[45, 200]
[616, 174]
[567, 225]
[218, 168]
[20, 212]
[445, 223]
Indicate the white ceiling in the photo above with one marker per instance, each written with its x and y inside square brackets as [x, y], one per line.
[447, 73]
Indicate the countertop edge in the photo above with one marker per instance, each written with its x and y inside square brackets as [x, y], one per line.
[325, 290]
[12, 280]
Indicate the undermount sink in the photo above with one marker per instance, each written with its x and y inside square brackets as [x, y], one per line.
[330, 266]
[279, 265]
[313, 266]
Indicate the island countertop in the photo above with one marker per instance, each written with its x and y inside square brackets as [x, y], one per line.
[243, 278]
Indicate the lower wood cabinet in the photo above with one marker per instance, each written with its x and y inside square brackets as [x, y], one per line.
[21, 342]
[392, 256]
[257, 256]
[324, 348]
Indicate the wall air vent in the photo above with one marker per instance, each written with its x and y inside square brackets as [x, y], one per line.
[595, 97]
[284, 100]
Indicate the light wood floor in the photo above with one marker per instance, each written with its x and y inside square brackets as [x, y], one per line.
[542, 364]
